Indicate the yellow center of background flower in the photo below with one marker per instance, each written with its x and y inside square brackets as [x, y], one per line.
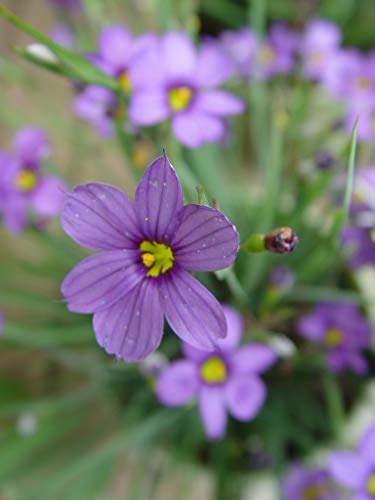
[371, 485]
[334, 337]
[314, 492]
[125, 83]
[267, 55]
[213, 370]
[157, 257]
[26, 180]
[180, 98]
[363, 83]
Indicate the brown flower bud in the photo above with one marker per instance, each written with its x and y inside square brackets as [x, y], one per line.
[280, 240]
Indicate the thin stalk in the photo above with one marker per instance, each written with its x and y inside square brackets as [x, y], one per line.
[334, 402]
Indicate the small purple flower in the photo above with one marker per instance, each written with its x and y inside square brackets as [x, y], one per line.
[172, 80]
[282, 278]
[240, 46]
[356, 470]
[226, 379]
[63, 34]
[24, 186]
[360, 242]
[303, 483]
[141, 272]
[319, 45]
[342, 330]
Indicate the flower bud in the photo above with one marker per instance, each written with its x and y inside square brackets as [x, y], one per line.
[42, 52]
[280, 240]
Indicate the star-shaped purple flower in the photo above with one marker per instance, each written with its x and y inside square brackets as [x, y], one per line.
[173, 80]
[342, 330]
[146, 250]
[356, 470]
[23, 185]
[302, 483]
[224, 380]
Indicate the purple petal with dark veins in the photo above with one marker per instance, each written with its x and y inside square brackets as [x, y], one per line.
[205, 240]
[100, 217]
[157, 200]
[132, 328]
[101, 280]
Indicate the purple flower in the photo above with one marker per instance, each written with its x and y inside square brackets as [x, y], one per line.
[282, 278]
[141, 272]
[302, 483]
[171, 79]
[117, 51]
[342, 330]
[63, 34]
[356, 470]
[24, 186]
[319, 45]
[226, 379]
[360, 241]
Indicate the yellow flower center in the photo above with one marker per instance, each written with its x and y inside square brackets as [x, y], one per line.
[125, 83]
[314, 492]
[334, 337]
[26, 180]
[371, 485]
[180, 98]
[213, 370]
[157, 257]
[363, 83]
[316, 57]
[267, 55]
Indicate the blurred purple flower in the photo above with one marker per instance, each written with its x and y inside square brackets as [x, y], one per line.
[356, 470]
[226, 379]
[171, 79]
[303, 483]
[319, 45]
[24, 186]
[117, 51]
[141, 273]
[63, 34]
[360, 240]
[282, 278]
[342, 330]
[240, 46]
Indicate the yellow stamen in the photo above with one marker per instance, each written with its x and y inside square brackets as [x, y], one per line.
[371, 485]
[314, 492]
[363, 83]
[26, 180]
[316, 57]
[157, 257]
[180, 98]
[267, 55]
[334, 337]
[125, 83]
[213, 370]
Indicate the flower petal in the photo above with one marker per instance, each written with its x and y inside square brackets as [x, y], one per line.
[48, 197]
[204, 240]
[253, 358]
[235, 328]
[100, 217]
[191, 310]
[115, 46]
[158, 199]
[193, 128]
[178, 55]
[148, 107]
[219, 103]
[213, 412]
[213, 67]
[245, 396]
[132, 328]
[178, 383]
[101, 280]
[14, 213]
[193, 354]
[347, 468]
[32, 146]
[367, 445]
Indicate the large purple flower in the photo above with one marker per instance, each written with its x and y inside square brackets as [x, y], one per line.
[23, 185]
[172, 79]
[146, 250]
[356, 470]
[227, 378]
[303, 483]
[342, 330]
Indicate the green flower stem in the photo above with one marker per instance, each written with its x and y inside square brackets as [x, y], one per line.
[334, 402]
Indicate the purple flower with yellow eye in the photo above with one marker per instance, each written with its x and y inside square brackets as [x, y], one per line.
[226, 379]
[23, 185]
[172, 80]
[342, 330]
[356, 470]
[141, 273]
[319, 45]
[302, 483]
